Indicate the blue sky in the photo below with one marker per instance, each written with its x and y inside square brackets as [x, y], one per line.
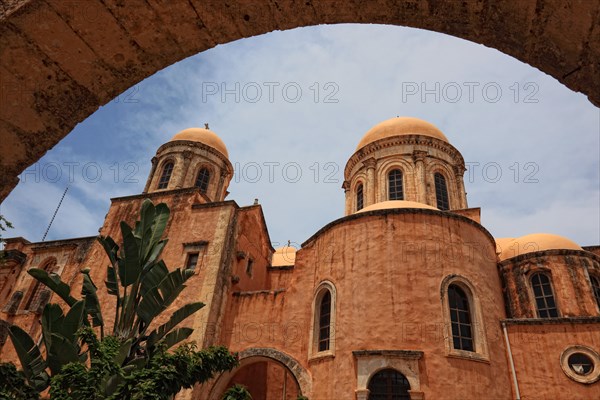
[291, 107]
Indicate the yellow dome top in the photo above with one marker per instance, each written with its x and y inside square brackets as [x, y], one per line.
[401, 126]
[284, 256]
[202, 135]
[386, 205]
[532, 243]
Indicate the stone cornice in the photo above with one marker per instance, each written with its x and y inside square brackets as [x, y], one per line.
[209, 149]
[415, 139]
[404, 354]
[394, 211]
[551, 321]
[545, 253]
[151, 195]
[40, 246]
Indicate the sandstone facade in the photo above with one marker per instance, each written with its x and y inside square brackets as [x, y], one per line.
[409, 299]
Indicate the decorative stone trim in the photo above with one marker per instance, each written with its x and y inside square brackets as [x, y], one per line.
[393, 211]
[369, 362]
[477, 325]
[592, 376]
[551, 321]
[313, 349]
[554, 252]
[258, 354]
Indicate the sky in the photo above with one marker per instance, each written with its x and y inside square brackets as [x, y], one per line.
[292, 106]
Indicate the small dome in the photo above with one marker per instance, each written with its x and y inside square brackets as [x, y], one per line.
[401, 126]
[385, 205]
[532, 243]
[284, 256]
[202, 135]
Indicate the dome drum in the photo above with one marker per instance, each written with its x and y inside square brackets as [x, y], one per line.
[415, 151]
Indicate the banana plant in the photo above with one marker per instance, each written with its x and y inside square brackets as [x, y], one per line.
[143, 287]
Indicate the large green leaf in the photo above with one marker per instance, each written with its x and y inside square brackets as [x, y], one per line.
[110, 247]
[72, 322]
[54, 283]
[92, 304]
[34, 366]
[175, 319]
[155, 252]
[161, 217]
[52, 318]
[159, 298]
[61, 353]
[112, 286]
[154, 276]
[176, 336]
[130, 266]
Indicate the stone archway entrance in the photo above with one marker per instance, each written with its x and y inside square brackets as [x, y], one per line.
[267, 373]
[62, 59]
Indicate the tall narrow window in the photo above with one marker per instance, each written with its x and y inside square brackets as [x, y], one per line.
[324, 321]
[359, 197]
[596, 288]
[166, 176]
[389, 384]
[544, 296]
[203, 179]
[441, 192]
[396, 190]
[460, 317]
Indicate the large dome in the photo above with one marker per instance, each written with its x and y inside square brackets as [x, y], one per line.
[401, 126]
[205, 136]
[509, 247]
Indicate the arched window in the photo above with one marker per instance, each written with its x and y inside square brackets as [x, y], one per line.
[40, 294]
[596, 288]
[396, 190]
[544, 296]
[203, 179]
[389, 384]
[441, 192]
[322, 334]
[359, 197]
[325, 321]
[166, 176]
[461, 320]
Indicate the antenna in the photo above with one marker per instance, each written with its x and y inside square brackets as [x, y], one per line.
[55, 212]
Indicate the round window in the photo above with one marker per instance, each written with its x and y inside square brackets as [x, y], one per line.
[581, 364]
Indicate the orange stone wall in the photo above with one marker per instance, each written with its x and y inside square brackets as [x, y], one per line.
[569, 271]
[536, 352]
[387, 267]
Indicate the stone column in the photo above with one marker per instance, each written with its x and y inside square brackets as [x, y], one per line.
[362, 394]
[219, 194]
[459, 172]
[151, 176]
[348, 197]
[371, 185]
[183, 172]
[420, 183]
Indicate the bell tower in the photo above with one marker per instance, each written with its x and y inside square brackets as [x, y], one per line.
[194, 157]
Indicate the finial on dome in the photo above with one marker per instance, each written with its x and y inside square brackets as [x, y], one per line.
[206, 125]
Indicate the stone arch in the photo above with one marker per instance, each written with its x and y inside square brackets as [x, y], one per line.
[383, 170]
[84, 54]
[257, 354]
